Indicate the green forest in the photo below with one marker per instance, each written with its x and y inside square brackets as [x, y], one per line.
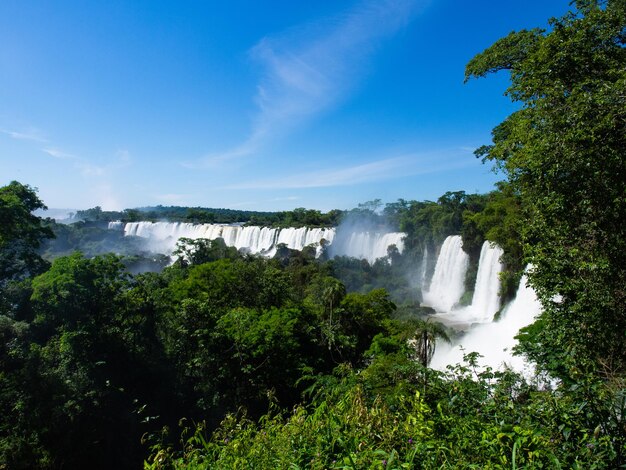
[226, 360]
[299, 217]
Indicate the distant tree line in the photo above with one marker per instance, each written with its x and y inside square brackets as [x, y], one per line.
[299, 217]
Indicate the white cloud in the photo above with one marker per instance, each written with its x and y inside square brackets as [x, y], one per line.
[309, 69]
[31, 135]
[213, 161]
[384, 169]
[99, 175]
[334, 177]
[56, 153]
[121, 159]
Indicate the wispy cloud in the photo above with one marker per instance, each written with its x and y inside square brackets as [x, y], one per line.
[99, 171]
[118, 160]
[378, 170]
[309, 69]
[56, 153]
[31, 135]
[121, 159]
[381, 169]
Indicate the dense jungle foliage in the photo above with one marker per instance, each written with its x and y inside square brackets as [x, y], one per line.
[225, 360]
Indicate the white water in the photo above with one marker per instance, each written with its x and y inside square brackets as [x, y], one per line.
[367, 245]
[447, 285]
[495, 341]
[163, 237]
[485, 301]
[116, 225]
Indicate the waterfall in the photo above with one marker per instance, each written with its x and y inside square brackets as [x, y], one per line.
[486, 301]
[298, 238]
[495, 341]
[366, 245]
[448, 283]
[163, 236]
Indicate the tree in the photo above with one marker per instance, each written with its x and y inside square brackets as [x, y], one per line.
[327, 293]
[200, 216]
[333, 292]
[424, 337]
[79, 377]
[563, 151]
[499, 221]
[21, 232]
[203, 250]
[94, 214]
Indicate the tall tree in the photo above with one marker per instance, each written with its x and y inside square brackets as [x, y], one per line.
[564, 152]
[424, 339]
[21, 232]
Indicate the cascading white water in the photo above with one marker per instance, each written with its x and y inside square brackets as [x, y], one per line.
[367, 245]
[495, 341]
[448, 283]
[486, 301]
[163, 237]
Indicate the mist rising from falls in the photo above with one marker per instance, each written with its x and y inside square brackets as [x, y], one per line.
[495, 341]
[448, 282]
[163, 236]
[423, 268]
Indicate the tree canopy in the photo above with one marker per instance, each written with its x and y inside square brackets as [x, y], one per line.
[21, 232]
[563, 152]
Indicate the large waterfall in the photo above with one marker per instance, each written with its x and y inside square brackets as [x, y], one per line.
[495, 341]
[163, 237]
[486, 301]
[448, 283]
[366, 245]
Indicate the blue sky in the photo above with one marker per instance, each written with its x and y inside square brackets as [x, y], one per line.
[250, 105]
